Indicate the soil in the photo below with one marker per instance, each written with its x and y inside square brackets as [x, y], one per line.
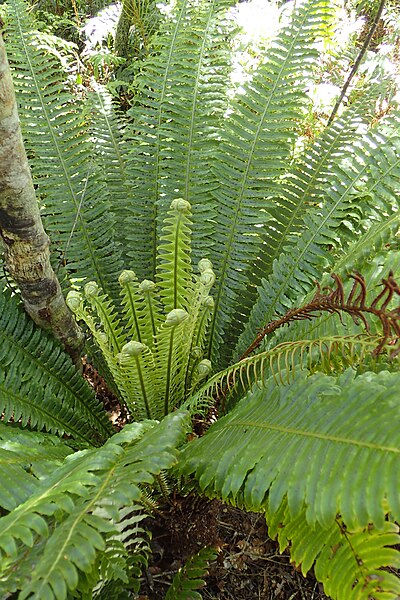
[248, 566]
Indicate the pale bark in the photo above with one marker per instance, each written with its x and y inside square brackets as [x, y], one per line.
[26, 245]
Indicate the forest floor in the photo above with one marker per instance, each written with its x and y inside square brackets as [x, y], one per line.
[249, 565]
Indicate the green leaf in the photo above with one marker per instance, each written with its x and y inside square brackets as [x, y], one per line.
[330, 444]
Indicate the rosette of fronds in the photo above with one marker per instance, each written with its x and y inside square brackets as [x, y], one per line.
[154, 347]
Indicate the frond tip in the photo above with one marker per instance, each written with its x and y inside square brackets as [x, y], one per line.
[352, 564]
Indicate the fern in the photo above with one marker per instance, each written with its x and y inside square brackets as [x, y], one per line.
[189, 577]
[311, 446]
[39, 384]
[75, 509]
[349, 562]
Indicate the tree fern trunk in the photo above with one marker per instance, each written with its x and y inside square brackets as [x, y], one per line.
[26, 244]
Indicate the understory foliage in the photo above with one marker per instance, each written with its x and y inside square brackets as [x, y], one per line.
[197, 238]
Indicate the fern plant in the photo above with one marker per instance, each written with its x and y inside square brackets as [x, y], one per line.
[202, 176]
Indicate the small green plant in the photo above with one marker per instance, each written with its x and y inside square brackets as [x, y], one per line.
[189, 577]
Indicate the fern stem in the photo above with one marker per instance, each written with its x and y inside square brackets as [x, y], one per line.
[168, 372]
[143, 387]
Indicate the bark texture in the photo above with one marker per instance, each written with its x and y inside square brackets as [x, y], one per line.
[26, 244]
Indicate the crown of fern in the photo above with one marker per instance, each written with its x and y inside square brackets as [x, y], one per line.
[154, 348]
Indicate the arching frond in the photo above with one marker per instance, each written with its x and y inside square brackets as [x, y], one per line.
[329, 354]
[86, 495]
[39, 385]
[351, 563]
[314, 440]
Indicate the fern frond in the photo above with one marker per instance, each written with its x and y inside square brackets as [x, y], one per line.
[137, 380]
[76, 210]
[350, 563]
[39, 385]
[174, 268]
[261, 450]
[111, 145]
[86, 494]
[329, 353]
[106, 314]
[184, 82]
[170, 359]
[256, 144]
[309, 254]
[142, 308]
[189, 577]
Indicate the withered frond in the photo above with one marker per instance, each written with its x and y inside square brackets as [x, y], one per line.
[333, 300]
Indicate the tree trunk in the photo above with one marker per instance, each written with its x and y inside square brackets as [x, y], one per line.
[26, 245]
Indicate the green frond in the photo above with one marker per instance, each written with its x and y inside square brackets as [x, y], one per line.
[311, 253]
[106, 315]
[106, 343]
[256, 145]
[70, 184]
[174, 268]
[25, 458]
[189, 577]
[125, 556]
[171, 359]
[112, 145]
[137, 380]
[314, 440]
[78, 506]
[350, 563]
[141, 306]
[39, 385]
[184, 82]
[329, 353]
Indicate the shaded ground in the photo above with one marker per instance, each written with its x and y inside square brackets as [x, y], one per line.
[249, 566]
